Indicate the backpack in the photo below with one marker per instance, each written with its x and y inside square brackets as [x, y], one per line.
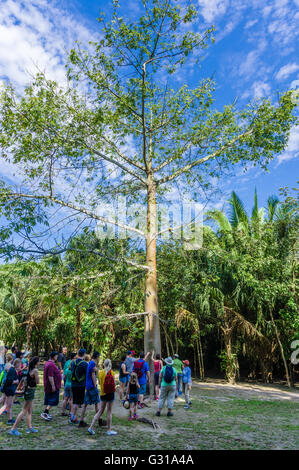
[79, 372]
[22, 386]
[109, 383]
[168, 374]
[2, 377]
[138, 368]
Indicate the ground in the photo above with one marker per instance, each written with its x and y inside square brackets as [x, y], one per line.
[245, 416]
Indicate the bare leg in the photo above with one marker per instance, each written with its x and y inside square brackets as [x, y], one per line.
[98, 414]
[109, 415]
[9, 407]
[29, 414]
[20, 416]
[83, 412]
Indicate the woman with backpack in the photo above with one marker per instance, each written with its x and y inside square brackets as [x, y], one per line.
[107, 391]
[9, 386]
[30, 381]
[167, 385]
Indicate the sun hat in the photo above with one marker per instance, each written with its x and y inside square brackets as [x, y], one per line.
[186, 362]
[168, 361]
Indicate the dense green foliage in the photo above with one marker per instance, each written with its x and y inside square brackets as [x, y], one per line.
[220, 306]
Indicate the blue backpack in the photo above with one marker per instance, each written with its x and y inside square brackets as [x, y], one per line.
[168, 374]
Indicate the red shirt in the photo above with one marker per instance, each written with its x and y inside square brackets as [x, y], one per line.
[51, 370]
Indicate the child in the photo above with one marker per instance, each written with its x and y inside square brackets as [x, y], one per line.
[187, 383]
[132, 393]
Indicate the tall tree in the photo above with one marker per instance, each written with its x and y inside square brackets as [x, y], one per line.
[122, 110]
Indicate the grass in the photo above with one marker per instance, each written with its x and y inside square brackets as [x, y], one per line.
[220, 418]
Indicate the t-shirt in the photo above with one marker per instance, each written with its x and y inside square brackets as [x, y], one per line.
[90, 368]
[145, 368]
[67, 378]
[66, 367]
[61, 360]
[130, 363]
[51, 370]
[187, 375]
[81, 371]
[173, 382]
[178, 365]
[101, 376]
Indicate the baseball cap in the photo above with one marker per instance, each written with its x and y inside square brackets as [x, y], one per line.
[81, 352]
[186, 362]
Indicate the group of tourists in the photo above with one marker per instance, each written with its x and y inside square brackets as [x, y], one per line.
[86, 384]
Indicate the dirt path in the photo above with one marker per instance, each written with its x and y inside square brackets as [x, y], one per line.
[223, 391]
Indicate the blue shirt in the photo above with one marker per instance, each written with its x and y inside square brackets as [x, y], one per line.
[187, 375]
[89, 382]
[142, 379]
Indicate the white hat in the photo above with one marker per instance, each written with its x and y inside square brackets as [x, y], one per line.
[168, 361]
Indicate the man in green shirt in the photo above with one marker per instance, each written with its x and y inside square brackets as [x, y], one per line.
[178, 365]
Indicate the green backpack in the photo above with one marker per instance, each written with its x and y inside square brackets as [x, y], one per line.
[2, 377]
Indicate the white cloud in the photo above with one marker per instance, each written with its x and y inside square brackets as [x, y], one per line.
[261, 89]
[212, 8]
[292, 150]
[36, 34]
[286, 71]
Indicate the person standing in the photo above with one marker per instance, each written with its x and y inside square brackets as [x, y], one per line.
[62, 359]
[79, 369]
[187, 382]
[132, 394]
[52, 385]
[8, 363]
[67, 378]
[157, 369]
[92, 393]
[124, 376]
[167, 385]
[107, 391]
[129, 361]
[9, 388]
[32, 380]
[178, 365]
[143, 374]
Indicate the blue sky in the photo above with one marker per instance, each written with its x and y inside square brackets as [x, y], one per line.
[255, 55]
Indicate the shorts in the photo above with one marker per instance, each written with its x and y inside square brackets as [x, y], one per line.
[142, 390]
[29, 394]
[78, 395]
[124, 380]
[67, 392]
[91, 397]
[156, 377]
[133, 398]
[9, 391]
[108, 397]
[52, 398]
